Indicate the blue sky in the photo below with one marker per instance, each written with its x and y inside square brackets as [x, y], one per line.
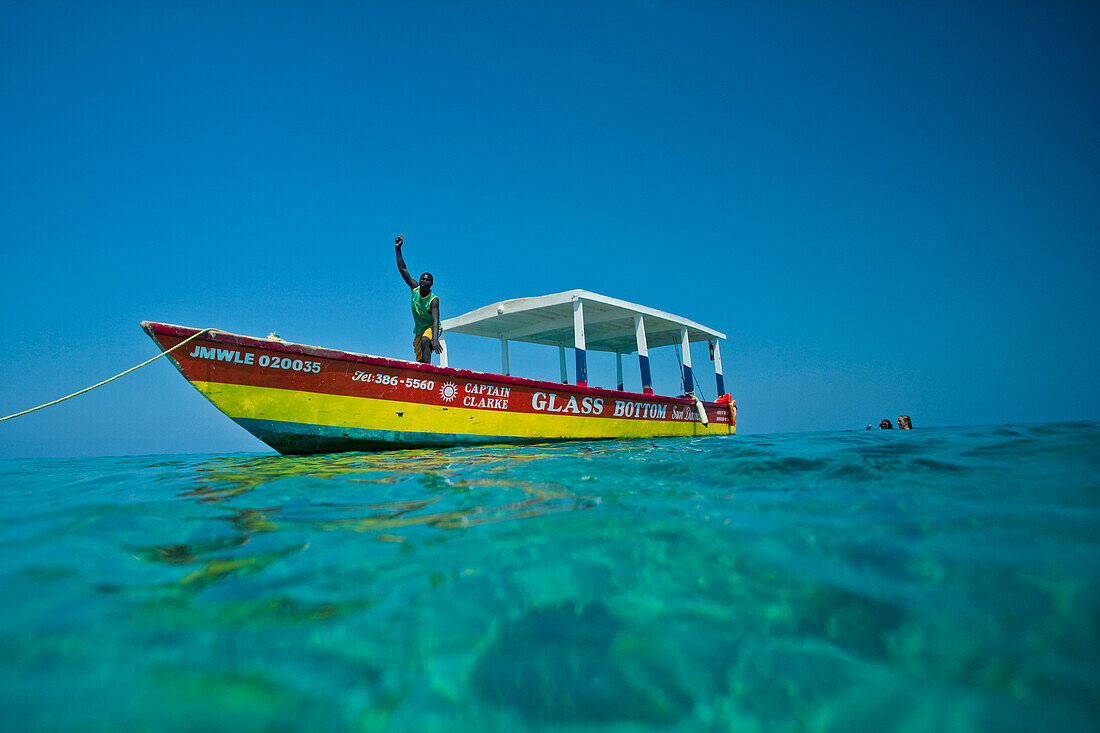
[887, 207]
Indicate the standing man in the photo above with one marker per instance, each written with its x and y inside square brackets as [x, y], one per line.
[425, 308]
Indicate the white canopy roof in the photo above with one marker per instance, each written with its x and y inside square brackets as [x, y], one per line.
[548, 319]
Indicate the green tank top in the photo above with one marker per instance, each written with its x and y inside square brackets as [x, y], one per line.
[422, 314]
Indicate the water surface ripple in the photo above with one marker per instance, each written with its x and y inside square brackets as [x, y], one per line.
[939, 579]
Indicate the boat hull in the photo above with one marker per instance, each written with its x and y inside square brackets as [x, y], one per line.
[303, 399]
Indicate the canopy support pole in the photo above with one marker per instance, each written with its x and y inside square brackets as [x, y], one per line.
[689, 387]
[619, 370]
[643, 355]
[443, 344]
[578, 342]
[504, 356]
[718, 369]
[561, 360]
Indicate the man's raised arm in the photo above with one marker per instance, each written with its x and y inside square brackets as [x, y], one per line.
[397, 242]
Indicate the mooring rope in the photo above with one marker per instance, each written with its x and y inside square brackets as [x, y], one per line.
[139, 366]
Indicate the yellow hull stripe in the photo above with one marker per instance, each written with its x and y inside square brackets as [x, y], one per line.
[283, 405]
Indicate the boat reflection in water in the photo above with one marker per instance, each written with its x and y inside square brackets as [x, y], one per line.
[263, 498]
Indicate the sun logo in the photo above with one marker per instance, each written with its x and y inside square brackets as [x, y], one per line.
[448, 391]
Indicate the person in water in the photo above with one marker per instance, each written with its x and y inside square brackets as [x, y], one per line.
[425, 309]
[885, 424]
[904, 423]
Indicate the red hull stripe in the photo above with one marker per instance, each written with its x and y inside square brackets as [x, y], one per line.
[238, 360]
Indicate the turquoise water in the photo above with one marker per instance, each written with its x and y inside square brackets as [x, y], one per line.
[933, 580]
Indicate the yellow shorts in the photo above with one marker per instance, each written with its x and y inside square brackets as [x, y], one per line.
[419, 339]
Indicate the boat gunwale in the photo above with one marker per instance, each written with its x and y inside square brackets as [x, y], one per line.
[152, 328]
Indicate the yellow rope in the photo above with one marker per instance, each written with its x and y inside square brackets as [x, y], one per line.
[89, 389]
